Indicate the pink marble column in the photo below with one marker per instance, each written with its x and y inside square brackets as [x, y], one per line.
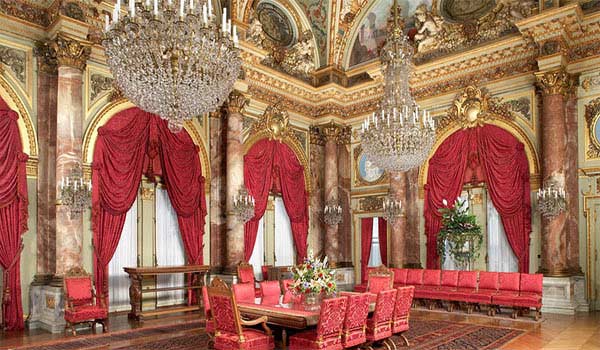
[332, 239]
[554, 85]
[572, 186]
[235, 178]
[316, 205]
[397, 242]
[72, 56]
[412, 239]
[47, 84]
[218, 189]
[344, 189]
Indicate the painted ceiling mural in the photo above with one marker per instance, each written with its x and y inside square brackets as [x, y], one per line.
[316, 12]
[371, 31]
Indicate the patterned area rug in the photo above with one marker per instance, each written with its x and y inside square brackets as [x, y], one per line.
[423, 334]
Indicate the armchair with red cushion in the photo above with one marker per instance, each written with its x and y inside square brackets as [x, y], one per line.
[230, 334]
[327, 336]
[82, 304]
[379, 326]
[245, 274]
[404, 298]
[355, 322]
[380, 279]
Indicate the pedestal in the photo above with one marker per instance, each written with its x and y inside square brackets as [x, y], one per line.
[564, 295]
[47, 308]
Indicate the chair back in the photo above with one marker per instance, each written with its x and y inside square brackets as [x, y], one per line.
[244, 292]
[270, 289]
[404, 298]
[331, 319]
[224, 308]
[357, 310]
[384, 306]
[78, 287]
[245, 272]
[288, 293]
[380, 278]
[206, 302]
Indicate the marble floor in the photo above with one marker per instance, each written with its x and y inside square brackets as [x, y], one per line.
[554, 332]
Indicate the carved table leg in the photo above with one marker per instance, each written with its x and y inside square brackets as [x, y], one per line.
[135, 296]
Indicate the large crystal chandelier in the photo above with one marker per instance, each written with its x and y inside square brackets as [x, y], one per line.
[399, 136]
[173, 60]
[551, 201]
[75, 193]
[243, 206]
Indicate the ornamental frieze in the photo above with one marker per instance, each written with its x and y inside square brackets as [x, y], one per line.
[15, 60]
[99, 84]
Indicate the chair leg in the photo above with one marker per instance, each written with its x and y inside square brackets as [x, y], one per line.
[405, 339]
[538, 313]
[93, 325]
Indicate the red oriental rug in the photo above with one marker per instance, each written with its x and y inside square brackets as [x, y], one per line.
[423, 334]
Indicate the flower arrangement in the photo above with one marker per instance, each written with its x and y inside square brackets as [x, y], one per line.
[460, 234]
[313, 276]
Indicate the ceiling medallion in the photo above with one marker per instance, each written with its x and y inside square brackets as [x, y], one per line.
[174, 60]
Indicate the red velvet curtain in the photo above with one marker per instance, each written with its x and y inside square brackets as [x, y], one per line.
[506, 173]
[382, 225]
[366, 237]
[265, 160]
[132, 142]
[13, 214]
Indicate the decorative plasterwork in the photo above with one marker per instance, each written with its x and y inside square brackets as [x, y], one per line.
[71, 52]
[370, 204]
[592, 118]
[46, 57]
[590, 83]
[556, 82]
[99, 84]
[15, 60]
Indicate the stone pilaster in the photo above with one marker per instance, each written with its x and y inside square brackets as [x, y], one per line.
[344, 197]
[555, 86]
[572, 184]
[331, 133]
[71, 56]
[397, 245]
[235, 177]
[218, 188]
[316, 203]
[411, 210]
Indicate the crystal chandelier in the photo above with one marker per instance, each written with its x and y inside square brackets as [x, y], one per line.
[243, 206]
[332, 213]
[551, 201]
[399, 136]
[75, 193]
[392, 208]
[176, 63]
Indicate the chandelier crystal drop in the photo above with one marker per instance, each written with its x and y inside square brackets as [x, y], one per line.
[332, 213]
[551, 201]
[399, 136]
[173, 60]
[243, 206]
[75, 193]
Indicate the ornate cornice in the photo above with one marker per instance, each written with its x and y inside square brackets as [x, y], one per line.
[592, 116]
[236, 102]
[46, 57]
[556, 82]
[71, 52]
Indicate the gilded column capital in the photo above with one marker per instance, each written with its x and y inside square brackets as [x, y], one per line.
[46, 57]
[331, 131]
[556, 82]
[236, 102]
[71, 52]
[315, 136]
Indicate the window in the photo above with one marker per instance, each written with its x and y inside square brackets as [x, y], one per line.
[500, 254]
[375, 257]
[284, 241]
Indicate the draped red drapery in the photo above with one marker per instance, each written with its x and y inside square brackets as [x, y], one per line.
[366, 236]
[267, 162]
[506, 173]
[382, 225]
[13, 214]
[131, 143]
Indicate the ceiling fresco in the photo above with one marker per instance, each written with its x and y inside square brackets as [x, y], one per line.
[317, 13]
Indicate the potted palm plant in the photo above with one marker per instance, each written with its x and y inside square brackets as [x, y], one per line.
[460, 236]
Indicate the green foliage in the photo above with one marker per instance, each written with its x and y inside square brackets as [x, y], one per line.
[461, 232]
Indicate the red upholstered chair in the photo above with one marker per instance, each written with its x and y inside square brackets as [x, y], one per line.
[379, 326]
[265, 272]
[362, 287]
[328, 333]
[380, 278]
[229, 333]
[530, 293]
[467, 284]
[431, 283]
[244, 292]
[288, 294]
[245, 274]
[414, 277]
[399, 276]
[508, 291]
[270, 289]
[404, 298]
[487, 286]
[448, 284]
[82, 304]
[355, 321]
[210, 323]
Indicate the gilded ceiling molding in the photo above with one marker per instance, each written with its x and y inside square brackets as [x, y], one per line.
[274, 125]
[556, 82]
[592, 118]
[71, 52]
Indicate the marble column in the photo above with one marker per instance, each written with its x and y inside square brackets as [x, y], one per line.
[235, 178]
[47, 84]
[572, 184]
[71, 56]
[554, 86]
[218, 189]
[411, 210]
[397, 242]
[316, 205]
[331, 132]
[344, 195]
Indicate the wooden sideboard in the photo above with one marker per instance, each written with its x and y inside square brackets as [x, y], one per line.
[197, 273]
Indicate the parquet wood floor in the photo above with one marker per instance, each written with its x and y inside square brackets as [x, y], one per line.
[555, 332]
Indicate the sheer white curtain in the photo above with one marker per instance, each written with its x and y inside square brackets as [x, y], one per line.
[500, 255]
[258, 253]
[125, 256]
[284, 241]
[449, 263]
[375, 257]
[169, 250]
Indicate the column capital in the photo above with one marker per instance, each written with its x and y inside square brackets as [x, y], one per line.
[330, 132]
[46, 57]
[71, 52]
[236, 102]
[556, 82]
